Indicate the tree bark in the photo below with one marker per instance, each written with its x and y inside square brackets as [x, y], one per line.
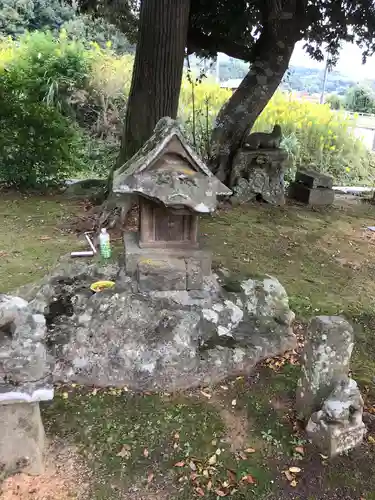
[283, 22]
[158, 68]
[245, 105]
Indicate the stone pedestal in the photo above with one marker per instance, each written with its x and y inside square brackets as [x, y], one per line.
[25, 379]
[21, 439]
[259, 173]
[333, 439]
[312, 188]
[165, 268]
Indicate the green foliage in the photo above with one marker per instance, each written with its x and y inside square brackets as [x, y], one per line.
[334, 101]
[98, 30]
[360, 99]
[319, 138]
[37, 144]
[48, 69]
[17, 16]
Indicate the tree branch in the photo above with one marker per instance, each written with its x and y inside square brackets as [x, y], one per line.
[198, 41]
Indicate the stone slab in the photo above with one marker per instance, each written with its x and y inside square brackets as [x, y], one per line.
[134, 254]
[21, 439]
[325, 359]
[9, 395]
[313, 179]
[311, 196]
[161, 274]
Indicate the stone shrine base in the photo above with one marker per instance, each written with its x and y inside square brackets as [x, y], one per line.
[21, 438]
[165, 268]
[158, 340]
[334, 439]
[259, 173]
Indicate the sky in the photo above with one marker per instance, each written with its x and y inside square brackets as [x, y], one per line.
[350, 62]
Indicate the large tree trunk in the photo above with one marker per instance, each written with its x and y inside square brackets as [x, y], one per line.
[158, 69]
[243, 108]
[155, 87]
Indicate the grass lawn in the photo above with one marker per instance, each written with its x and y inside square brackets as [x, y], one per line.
[237, 439]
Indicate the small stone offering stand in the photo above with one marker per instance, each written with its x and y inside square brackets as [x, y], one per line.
[312, 188]
[173, 187]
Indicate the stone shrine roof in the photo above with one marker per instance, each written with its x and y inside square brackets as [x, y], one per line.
[167, 169]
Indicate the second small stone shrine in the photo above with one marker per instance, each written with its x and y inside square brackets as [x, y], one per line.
[173, 187]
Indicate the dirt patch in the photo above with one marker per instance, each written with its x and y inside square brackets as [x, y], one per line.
[65, 478]
[237, 429]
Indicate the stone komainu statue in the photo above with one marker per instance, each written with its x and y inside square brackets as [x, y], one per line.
[262, 140]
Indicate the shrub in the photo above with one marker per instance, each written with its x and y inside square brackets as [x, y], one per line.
[38, 146]
[47, 69]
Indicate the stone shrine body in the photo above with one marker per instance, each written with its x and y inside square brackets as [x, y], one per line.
[173, 186]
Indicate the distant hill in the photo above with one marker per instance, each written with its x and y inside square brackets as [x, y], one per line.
[310, 80]
[297, 78]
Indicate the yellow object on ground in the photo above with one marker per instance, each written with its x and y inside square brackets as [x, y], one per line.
[99, 286]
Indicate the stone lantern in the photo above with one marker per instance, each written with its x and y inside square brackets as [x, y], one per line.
[173, 187]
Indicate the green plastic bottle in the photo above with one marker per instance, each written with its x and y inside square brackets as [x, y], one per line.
[105, 244]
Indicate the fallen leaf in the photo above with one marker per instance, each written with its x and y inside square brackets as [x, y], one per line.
[212, 460]
[220, 493]
[232, 476]
[192, 465]
[293, 483]
[179, 464]
[294, 470]
[224, 387]
[214, 442]
[206, 473]
[250, 450]
[242, 455]
[288, 475]
[248, 479]
[206, 395]
[124, 452]
[175, 445]
[209, 485]
[65, 395]
[193, 476]
[145, 453]
[300, 449]
[234, 402]
[200, 492]
[150, 477]
[176, 436]
[371, 440]
[323, 456]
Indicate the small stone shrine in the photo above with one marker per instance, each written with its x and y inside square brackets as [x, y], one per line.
[173, 187]
[25, 380]
[312, 188]
[258, 168]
